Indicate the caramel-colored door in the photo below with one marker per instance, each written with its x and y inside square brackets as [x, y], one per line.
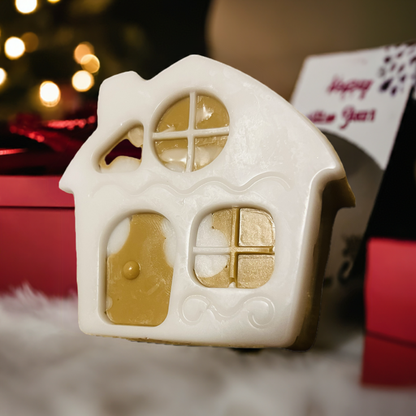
[139, 277]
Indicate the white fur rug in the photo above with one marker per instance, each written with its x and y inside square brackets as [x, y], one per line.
[48, 367]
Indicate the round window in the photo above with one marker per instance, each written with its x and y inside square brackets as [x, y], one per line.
[191, 133]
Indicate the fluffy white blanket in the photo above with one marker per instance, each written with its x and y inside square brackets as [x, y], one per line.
[48, 367]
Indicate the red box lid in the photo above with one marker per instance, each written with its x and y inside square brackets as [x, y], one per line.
[33, 191]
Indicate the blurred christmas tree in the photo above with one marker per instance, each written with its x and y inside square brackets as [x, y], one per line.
[45, 43]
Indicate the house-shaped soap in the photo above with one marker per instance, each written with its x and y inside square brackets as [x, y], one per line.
[217, 231]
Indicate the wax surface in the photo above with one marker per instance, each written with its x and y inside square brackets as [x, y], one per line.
[218, 233]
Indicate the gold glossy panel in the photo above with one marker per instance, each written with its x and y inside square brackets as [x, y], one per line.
[210, 113]
[207, 149]
[139, 278]
[254, 270]
[176, 117]
[256, 228]
[173, 153]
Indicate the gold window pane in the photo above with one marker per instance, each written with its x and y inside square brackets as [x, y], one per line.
[256, 228]
[210, 113]
[207, 149]
[173, 153]
[254, 270]
[176, 117]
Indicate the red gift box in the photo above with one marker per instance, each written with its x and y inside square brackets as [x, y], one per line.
[390, 293]
[37, 235]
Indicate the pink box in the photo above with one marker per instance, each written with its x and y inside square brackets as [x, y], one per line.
[37, 235]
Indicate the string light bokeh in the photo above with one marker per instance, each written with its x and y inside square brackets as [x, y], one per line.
[26, 6]
[49, 94]
[84, 48]
[52, 40]
[3, 76]
[14, 48]
[31, 41]
[82, 81]
[90, 63]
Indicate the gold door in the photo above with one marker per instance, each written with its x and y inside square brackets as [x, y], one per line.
[139, 277]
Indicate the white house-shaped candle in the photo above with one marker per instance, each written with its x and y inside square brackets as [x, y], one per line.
[217, 232]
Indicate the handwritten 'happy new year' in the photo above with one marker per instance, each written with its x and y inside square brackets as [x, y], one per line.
[349, 113]
[343, 87]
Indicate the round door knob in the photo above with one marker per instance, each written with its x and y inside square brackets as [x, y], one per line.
[131, 270]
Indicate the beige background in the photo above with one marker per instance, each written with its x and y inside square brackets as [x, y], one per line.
[269, 39]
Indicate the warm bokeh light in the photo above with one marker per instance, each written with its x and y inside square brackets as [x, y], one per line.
[82, 81]
[31, 41]
[90, 63]
[84, 48]
[14, 48]
[3, 76]
[49, 94]
[54, 1]
[26, 6]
